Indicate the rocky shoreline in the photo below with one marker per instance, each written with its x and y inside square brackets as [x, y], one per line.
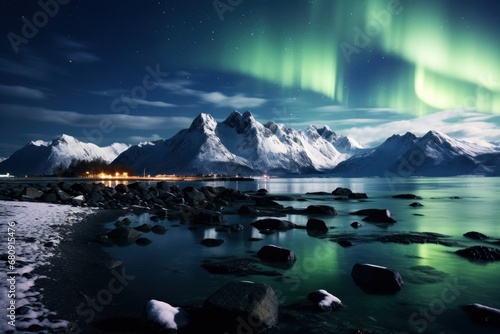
[208, 206]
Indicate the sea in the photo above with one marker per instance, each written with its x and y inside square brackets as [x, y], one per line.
[437, 281]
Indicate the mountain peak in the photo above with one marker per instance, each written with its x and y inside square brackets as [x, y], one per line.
[205, 121]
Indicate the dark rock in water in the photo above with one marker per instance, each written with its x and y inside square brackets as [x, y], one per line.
[480, 253]
[210, 242]
[416, 204]
[255, 239]
[339, 191]
[267, 232]
[247, 210]
[374, 279]
[345, 243]
[143, 241]
[418, 214]
[357, 196]
[237, 303]
[233, 228]
[316, 225]
[324, 300]
[124, 221]
[238, 267]
[262, 191]
[475, 235]
[320, 210]
[272, 253]
[266, 202]
[318, 193]
[273, 224]
[356, 225]
[124, 233]
[483, 315]
[144, 228]
[407, 196]
[375, 215]
[455, 197]
[208, 217]
[158, 229]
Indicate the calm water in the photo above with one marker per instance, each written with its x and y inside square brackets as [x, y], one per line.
[169, 268]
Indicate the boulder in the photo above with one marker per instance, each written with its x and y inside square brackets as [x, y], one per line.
[78, 200]
[475, 235]
[345, 242]
[339, 191]
[82, 188]
[375, 215]
[143, 241]
[211, 242]
[407, 196]
[416, 204]
[266, 202]
[159, 229]
[243, 307]
[32, 193]
[374, 279]
[247, 210]
[480, 253]
[273, 224]
[233, 228]
[316, 225]
[357, 196]
[63, 196]
[320, 210]
[356, 225]
[122, 233]
[161, 317]
[275, 254]
[324, 300]
[144, 228]
[207, 217]
[121, 188]
[482, 315]
[50, 197]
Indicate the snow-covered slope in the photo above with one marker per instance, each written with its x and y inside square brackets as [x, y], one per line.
[41, 158]
[376, 161]
[239, 144]
[434, 154]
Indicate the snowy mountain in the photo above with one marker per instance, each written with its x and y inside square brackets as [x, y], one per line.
[434, 154]
[239, 144]
[344, 144]
[2, 159]
[41, 157]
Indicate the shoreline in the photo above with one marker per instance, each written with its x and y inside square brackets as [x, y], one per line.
[80, 266]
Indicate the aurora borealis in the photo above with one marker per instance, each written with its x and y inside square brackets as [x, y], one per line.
[366, 68]
[447, 52]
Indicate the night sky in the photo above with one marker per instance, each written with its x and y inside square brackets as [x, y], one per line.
[131, 71]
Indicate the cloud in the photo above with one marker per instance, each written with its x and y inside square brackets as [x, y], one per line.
[22, 92]
[218, 99]
[459, 124]
[134, 102]
[141, 139]
[75, 119]
[237, 101]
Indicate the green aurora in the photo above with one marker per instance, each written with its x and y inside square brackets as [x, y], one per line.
[437, 54]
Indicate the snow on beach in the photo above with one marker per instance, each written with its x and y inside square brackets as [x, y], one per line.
[35, 228]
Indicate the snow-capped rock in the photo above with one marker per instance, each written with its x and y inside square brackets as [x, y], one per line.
[41, 157]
